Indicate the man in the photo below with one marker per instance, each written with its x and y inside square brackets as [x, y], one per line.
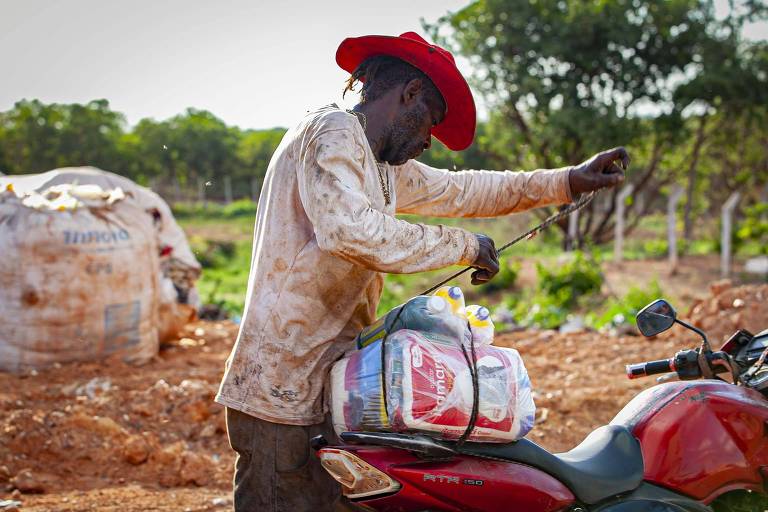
[326, 232]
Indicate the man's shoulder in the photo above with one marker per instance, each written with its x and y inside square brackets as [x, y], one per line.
[328, 118]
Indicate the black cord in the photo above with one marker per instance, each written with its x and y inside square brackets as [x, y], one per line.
[384, 361]
[472, 365]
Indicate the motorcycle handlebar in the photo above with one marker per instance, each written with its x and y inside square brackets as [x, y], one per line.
[648, 368]
[685, 363]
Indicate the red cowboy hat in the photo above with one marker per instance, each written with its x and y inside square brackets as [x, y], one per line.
[458, 128]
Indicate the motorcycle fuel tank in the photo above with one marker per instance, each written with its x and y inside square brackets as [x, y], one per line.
[700, 438]
[463, 484]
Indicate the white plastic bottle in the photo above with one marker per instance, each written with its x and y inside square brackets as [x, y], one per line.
[480, 324]
[455, 298]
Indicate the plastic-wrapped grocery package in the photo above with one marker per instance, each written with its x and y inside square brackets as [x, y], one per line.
[428, 314]
[429, 389]
[357, 399]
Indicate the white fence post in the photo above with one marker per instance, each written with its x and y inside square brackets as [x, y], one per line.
[227, 189]
[674, 199]
[200, 190]
[725, 240]
[639, 202]
[618, 237]
[573, 230]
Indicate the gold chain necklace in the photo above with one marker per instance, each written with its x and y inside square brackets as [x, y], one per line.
[379, 165]
[384, 187]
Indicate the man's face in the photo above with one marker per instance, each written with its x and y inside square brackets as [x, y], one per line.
[411, 131]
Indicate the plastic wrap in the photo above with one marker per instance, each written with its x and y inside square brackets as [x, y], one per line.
[430, 315]
[427, 387]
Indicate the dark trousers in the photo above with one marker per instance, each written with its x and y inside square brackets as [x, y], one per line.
[277, 471]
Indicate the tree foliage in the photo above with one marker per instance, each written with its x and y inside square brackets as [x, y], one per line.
[567, 79]
[175, 155]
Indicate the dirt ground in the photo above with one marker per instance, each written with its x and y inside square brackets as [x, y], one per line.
[109, 436]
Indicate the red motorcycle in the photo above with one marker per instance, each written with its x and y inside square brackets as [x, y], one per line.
[676, 446]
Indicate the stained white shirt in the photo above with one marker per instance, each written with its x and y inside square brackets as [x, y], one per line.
[324, 236]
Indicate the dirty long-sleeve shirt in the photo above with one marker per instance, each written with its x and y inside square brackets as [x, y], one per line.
[323, 237]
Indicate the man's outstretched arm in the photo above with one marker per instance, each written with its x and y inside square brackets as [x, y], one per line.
[426, 190]
[331, 187]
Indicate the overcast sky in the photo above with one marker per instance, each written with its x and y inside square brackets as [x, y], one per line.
[255, 64]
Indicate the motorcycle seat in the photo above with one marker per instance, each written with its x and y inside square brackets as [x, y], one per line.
[608, 462]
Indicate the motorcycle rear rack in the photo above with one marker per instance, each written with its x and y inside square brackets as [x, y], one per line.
[419, 444]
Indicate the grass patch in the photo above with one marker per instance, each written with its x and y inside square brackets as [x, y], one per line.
[225, 274]
[196, 211]
[623, 310]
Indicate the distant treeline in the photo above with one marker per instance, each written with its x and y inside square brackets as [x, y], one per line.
[176, 155]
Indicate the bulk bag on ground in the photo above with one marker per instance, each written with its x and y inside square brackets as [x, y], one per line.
[79, 277]
[427, 387]
[179, 269]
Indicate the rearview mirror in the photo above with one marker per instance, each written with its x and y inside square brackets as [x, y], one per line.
[656, 317]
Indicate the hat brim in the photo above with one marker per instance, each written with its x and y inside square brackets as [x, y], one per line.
[457, 130]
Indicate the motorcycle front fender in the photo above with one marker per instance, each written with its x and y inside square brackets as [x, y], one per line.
[700, 438]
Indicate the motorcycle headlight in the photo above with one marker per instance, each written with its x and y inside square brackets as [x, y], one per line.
[358, 479]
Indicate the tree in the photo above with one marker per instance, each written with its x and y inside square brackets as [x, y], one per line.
[154, 158]
[35, 137]
[187, 149]
[254, 151]
[568, 79]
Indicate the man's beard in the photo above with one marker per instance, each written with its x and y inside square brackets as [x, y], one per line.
[405, 142]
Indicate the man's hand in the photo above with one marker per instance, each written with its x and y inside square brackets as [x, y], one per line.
[487, 261]
[600, 171]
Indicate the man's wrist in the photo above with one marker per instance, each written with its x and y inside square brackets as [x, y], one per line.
[568, 186]
[471, 249]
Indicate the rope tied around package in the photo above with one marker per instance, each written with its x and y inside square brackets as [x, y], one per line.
[470, 357]
[472, 363]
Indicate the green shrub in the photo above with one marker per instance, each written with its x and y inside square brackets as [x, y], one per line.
[505, 279]
[541, 310]
[239, 208]
[212, 253]
[699, 247]
[752, 235]
[187, 210]
[560, 289]
[226, 266]
[655, 248]
[623, 310]
[565, 283]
